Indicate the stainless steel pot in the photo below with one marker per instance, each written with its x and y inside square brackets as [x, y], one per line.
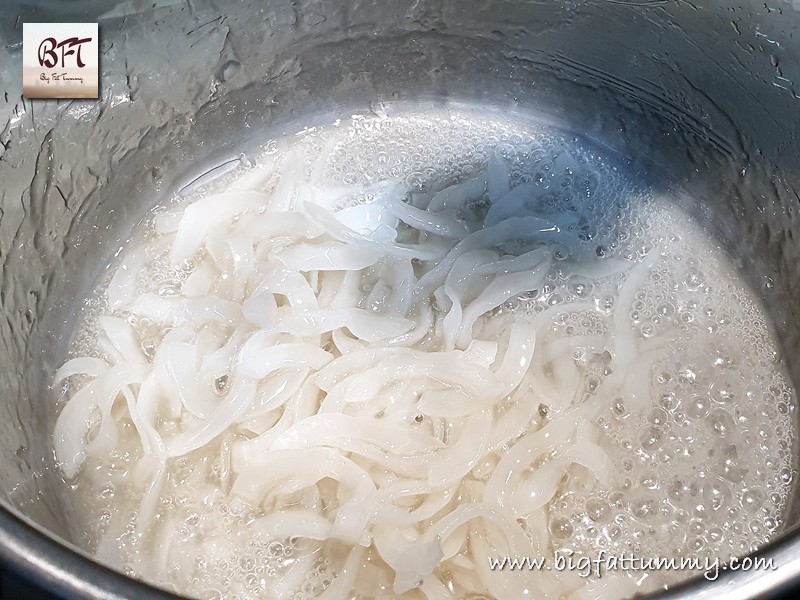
[703, 96]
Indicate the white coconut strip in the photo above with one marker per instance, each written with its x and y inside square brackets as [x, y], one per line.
[425, 220]
[260, 309]
[461, 456]
[83, 408]
[363, 324]
[339, 231]
[517, 228]
[208, 214]
[624, 343]
[500, 486]
[281, 225]
[230, 409]
[195, 311]
[292, 523]
[83, 365]
[177, 366]
[258, 359]
[278, 389]
[498, 177]
[328, 256]
[124, 339]
[498, 291]
[121, 289]
[266, 473]
[457, 196]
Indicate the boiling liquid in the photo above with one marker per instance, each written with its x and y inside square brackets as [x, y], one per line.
[700, 433]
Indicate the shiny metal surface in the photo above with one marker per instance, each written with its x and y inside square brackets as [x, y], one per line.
[701, 95]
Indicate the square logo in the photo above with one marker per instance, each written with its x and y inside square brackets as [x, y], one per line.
[60, 60]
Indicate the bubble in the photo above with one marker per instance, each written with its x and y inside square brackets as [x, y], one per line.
[721, 422]
[561, 529]
[698, 407]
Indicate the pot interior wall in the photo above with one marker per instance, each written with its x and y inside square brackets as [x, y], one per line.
[700, 98]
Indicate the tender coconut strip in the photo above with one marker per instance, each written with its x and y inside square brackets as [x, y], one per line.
[343, 585]
[190, 311]
[123, 338]
[343, 293]
[328, 256]
[176, 366]
[500, 486]
[482, 353]
[624, 343]
[122, 289]
[339, 231]
[638, 382]
[352, 363]
[410, 560]
[591, 456]
[260, 309]
[425, 220]
[83, 365]
[303, 406]
[403, 281]
[514, 537]
[280, 388]
[498, 177]
[230, 409]
[457, 196]
[401, 450]
[269, 472]
[281, 225]
[373, 221]
[423, 313]
[498, 291]
[322, 378]
[378, 296]
[290, 170]
[98, 396]
[345, 342]
[143, 411]
[218, 362]
[440, 368]
[200, 282]
[517, 419]
[460, 457]
[522, 202]
[460, 287]
[208, 214]
[339, 430]
[449, 403]
[435, 500]
[292, 523]
[434, 589]
[333, 198]
[363, 324]
[524, 228]
[414, 560]
[288, 283]
[533, 493]
[244, 263]
[258, 357]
